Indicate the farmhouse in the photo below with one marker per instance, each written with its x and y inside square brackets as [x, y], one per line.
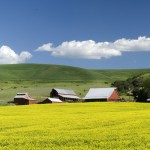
[51, 100]
[64, 95]
[102, 94]
[24, 99]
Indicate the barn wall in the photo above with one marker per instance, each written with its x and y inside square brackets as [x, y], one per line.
[95, 100]
[61, 98]
[23, 101]
[114, 96]
[54, 93]
[32, 102]
[20, 101]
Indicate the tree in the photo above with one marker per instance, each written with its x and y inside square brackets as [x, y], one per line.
[140, 95]
[138, 85]
[147, 86]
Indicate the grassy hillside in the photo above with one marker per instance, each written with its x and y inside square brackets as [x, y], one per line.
[39, 79]
[80, 126]
[62, 73]
[42, 72]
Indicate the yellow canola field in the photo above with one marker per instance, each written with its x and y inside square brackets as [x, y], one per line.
[76, 126]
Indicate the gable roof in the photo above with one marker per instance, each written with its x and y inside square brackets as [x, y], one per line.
[54, 100]
[23, 96]
[99, 93]
[63, 91]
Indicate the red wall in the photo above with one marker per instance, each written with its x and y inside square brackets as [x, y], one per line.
[32, 101]
[22, 101]
[114, 96]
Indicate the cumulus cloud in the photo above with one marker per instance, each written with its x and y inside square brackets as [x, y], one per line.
[8, 56]
[45, 47]
[91, 50]
[140, 44]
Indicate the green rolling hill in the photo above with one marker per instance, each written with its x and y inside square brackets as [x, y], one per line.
[59, 73]
[39, 79]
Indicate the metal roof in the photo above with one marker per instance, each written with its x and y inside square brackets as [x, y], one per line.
[23, 95]
[69, 96]
[99, 93]
[54, 100]
[63, 91]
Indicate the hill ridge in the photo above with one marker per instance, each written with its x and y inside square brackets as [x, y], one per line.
[58, 73]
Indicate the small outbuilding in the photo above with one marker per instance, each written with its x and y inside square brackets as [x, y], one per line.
[102, 94]
[51, 100]
[64, 95]
[24, 99]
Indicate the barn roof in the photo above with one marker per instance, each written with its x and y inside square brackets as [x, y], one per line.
[69, 96]
[54, 100]
[63, 91]
[24, 96]
[99, 93]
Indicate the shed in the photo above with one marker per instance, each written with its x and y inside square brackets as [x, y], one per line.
[102, 94]
[64, 95]
[51, 100]
[24, 99]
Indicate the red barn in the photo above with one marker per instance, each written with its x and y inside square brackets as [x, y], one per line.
[24, 99]
[102, 94]
[64, 95]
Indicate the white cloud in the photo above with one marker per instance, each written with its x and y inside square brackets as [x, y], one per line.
[140, 44]
[91, 50]
[8, 56]
[45, 47]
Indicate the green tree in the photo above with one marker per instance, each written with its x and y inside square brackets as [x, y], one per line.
[140, 95]
[147, 86]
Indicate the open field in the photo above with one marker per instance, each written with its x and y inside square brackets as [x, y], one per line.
[78, 126]
[39, 79]
[39, 90]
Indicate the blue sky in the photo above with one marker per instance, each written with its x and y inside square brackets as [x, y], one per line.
[94, 34]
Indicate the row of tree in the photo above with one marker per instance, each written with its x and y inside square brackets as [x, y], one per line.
[137, 86]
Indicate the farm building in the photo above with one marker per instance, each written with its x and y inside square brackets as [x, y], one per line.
[102, 94]
[51, 100]
[64, 95]
[24, 99]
